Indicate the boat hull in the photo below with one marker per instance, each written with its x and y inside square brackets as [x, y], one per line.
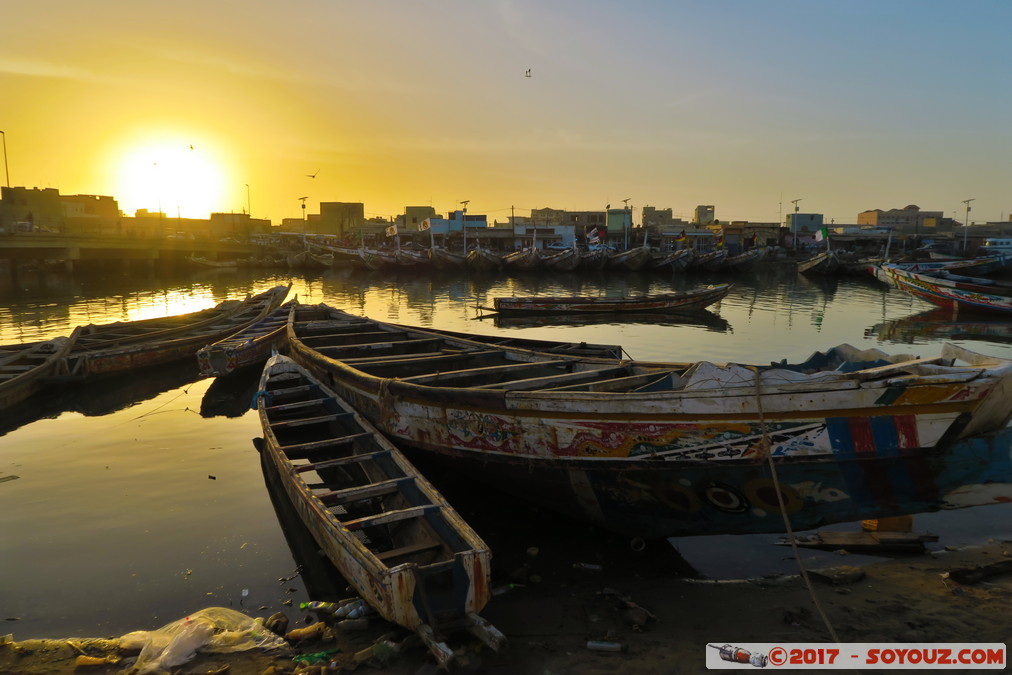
[669, 302]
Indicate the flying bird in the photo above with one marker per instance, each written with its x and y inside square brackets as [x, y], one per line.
[312, 175]
[191, 147]
[528, 73]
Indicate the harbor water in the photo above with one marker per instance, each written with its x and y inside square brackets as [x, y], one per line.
[131, 502]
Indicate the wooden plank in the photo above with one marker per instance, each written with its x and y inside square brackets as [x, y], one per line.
[340, 461]
[408, 550]
[304, 421]
[295, 405]
[390, 516]
[359, 492]
[438, 379]
[619, 383]
[313, 446]
[561, 379]
[401, 345]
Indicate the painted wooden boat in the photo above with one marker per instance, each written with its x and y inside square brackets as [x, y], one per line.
[124, 346]
[631, 260]
[710, 261]
[524, 260]
[249, 347]
[445, 259]
[390, 533]
[821, 263]
[595, 260]
[482, 260]
[563, 261]
[696, 298]
[967, 266]
[408, 259]
[668, 261]
[703, 318]
[957, 292]
[24, 368]
[667, 449]
[743, 261]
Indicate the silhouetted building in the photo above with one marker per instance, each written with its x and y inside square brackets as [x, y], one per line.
[703, 215]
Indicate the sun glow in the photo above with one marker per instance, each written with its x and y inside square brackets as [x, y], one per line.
[170, 175]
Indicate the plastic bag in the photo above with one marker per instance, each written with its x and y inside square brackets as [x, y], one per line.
[213, 630]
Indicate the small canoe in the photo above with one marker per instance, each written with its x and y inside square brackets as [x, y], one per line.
[206, 263]
[249, 347]
[391, 534]
[696, 298]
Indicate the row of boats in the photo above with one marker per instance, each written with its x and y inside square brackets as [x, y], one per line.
[481, 259]
[644, 449]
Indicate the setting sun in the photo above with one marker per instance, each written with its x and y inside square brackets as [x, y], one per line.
[169, 174]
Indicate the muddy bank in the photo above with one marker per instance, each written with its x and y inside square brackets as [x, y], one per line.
[662, 620]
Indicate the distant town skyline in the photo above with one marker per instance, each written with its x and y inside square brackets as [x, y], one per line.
[196, 107]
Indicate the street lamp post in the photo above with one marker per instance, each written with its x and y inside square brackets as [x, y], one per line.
[7, 173]
[249, 212]
[966, 222]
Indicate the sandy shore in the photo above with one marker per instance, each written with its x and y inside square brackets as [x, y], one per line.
[662, 620]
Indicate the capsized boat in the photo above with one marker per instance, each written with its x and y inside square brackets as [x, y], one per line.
[391, 534]
[664, 449]
[695, 298]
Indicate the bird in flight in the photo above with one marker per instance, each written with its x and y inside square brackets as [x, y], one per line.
[312, 175]
[528, 73]
[191, 147]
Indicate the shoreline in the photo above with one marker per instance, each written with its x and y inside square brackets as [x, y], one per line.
[662, 620]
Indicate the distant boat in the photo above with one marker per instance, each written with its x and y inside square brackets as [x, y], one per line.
[742, 261]
[696, 298]
[445, 259]
[630, 260]
[668, 261]
[482, 260]
[821, 263]
[594, 260]
[198, 261]
[566, 260]
[524, 260]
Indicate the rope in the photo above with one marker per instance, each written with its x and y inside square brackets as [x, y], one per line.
[783, 509]
[267, 396]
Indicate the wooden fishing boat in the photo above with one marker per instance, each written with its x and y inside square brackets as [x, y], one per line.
[696, 298]
[631, 260]
[957, 292]
[390, 533]
[967, 266]
[205, 263]
[711, 261]
[533, 344]
[563, 261]
[408, 259]
[668, 261]
[482, 260]
[702, 318]
[249, 347]
[743, 261]
[594, 260]
[822, 263]
[118, 347]
[24, 368]
[524, 260]
[668, 449]
[445, 259]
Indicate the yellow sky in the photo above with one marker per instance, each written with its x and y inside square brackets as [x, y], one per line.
[738, 104]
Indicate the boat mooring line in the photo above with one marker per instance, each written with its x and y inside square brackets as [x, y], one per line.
[783, 507]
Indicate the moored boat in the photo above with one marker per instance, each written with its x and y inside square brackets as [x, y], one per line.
[942, 288]
[251, 346]
[821, 263]
[393, 537]
[445, 259]
[696, 298]
[743, 261]
[666, 449]
[118, 347]
[23, 368]
[630, 260]
[206, 263]
[482, 260]
[563, 261]
[524, 260]
[594, 260]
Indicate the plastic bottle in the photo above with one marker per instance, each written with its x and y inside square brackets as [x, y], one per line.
[319, 606]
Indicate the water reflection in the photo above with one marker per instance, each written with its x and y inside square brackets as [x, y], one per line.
[941, 324]
[701, 319]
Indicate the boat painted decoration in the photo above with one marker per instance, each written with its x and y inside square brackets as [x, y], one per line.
[965, 294]
[632, 446]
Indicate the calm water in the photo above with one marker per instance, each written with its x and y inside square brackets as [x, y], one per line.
[141, 500]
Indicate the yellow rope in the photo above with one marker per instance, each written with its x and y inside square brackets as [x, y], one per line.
[783, 509]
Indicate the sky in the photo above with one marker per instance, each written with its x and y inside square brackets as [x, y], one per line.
[232, 105]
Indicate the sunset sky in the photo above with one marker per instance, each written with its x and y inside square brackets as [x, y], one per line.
[746, 105]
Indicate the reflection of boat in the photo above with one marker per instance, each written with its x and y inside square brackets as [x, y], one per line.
[696, 298]
[662, 449]
[703, 317]
[230, 396]
[23, 368]
[942, 288]
[205, 263]
[126, 346]
[251, 346]
[390, 533]
[941, 324]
